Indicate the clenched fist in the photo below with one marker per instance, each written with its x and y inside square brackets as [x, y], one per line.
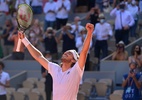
[90, 28]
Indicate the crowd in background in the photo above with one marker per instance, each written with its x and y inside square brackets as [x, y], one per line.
[56, 17]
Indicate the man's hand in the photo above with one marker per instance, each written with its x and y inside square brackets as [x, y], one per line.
[21, 35]
[126, 27]
[105, 36]
[90, 28]
[132, 75]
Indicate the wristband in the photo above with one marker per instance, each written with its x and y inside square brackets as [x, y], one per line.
[25, 41]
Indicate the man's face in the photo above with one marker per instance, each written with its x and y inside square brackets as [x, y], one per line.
[67, 57]
[76, 20]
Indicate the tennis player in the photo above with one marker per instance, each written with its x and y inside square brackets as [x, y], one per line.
[67, 76]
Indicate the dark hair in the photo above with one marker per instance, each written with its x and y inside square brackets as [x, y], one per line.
[2, 64]
[122, 6]
[134, 63]
[133, 49]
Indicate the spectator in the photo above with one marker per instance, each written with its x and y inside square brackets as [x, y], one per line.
[18, 2]
[48, 77]
[120, 54]
[37, 6]
[50, 42]
[131, 84]
[37, 28]
[35, 40]
[122, 24]
[68, 38]
[16, 55]
[79, 45]
[50, 14]
[136, 57]
[36, 33]
[76, 27]
[62, 9]
[93, 15]
[14, 20]
[133, 8]
[102, 35]
[4, 82]
[8, 45]
[140, 5]
[4, 7]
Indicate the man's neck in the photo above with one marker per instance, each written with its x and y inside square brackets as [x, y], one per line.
[65, 66]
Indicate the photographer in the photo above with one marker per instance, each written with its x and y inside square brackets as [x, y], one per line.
[50, 42]
[8, 45]
[68, 38]
[120, 53]
[131, 84]
[123, 21]
[93, 15]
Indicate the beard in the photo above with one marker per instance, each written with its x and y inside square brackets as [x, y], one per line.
[63, 59]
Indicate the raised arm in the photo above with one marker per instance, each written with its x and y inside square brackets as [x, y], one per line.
[86, 45]
[36, 54]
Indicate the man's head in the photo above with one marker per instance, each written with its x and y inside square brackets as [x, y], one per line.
[67, 27]
[70, 56]
[133, 2]
[77, 20]
[122, 6]
[101, 18]
[49, 32]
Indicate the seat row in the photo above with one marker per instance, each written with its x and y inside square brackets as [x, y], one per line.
[95, 89]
